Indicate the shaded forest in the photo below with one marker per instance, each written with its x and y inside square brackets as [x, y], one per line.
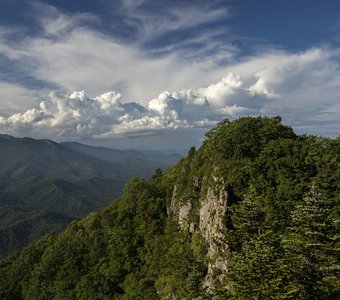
[45, 185]
[252, 214]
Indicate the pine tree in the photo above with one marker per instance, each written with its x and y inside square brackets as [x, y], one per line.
[311, 257]
[254, 264]
[255, 272]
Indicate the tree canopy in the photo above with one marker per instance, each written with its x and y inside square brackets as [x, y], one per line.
[280, 233]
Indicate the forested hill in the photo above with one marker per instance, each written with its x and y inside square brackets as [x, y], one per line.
[45, 185]
[252, 214]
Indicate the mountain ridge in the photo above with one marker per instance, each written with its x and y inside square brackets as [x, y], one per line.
[45, 175]
[253, 214]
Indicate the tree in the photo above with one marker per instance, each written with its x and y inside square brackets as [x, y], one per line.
[254, 270]
[311, 256]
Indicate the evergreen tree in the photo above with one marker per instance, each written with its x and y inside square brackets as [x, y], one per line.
[279, 245]
[254, 263]
[255, 271]
[311, 257]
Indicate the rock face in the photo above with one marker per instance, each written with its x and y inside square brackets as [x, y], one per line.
[210, 221]
[183, 213]
[212, 215]
[179, 209]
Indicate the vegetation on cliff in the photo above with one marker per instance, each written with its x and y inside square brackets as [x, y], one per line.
[279, 239]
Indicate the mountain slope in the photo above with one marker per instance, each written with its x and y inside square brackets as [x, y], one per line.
[146, 161]
[49, 180]
[26, 157]
[252, 214]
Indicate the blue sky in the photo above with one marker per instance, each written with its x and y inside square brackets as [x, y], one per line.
[158, 74]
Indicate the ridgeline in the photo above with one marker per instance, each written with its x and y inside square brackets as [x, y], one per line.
[252, 214]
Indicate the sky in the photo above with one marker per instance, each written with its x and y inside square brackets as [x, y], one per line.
[149, 74]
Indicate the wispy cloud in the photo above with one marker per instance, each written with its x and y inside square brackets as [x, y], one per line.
[266, 88]
[152, 19]
[69, 54]
[16, 98]
[55, 24]
[182, 29]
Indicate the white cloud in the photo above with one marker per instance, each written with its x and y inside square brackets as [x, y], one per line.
[78, 116]
[311, 100]
[55, 23]
[260, 88]
[233, 110]
[165, 18]
[14, 97]
[70, 55]
[218, 93]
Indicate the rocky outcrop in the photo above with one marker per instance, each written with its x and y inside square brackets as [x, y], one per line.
[179, 209]
[183, 214]
[210, 221]
[212, 215]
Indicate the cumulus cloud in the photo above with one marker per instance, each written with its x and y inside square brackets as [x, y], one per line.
[293, 71]
[78, 116]
[69, 55]
[260, 88]
[270, 90]
[221, 91]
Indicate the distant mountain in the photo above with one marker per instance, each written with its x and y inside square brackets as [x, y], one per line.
[252, 214]
[44, 185]
[145, 159]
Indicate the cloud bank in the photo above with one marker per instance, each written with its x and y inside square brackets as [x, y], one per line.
[199, 76]
[78, 116]
[308, 103]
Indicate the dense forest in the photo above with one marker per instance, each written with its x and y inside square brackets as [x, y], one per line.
[45, 185]
[252, 214]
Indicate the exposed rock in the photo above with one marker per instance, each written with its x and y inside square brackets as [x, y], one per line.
[211, 223]
[183, 214]
[212, 216]
[171, 208]
[179, 209]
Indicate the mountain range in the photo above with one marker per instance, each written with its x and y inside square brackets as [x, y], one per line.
[45, 185]
[252, 214]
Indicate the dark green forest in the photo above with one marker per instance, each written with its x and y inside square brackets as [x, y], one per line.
[45, 185]
[252, 214]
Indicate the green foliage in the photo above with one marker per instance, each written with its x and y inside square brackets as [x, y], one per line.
[254, 272]
[254, 260]
[45, 185]
[311, 252]
[245, 137]
[279, 243]
[182, 267]
[16, 269]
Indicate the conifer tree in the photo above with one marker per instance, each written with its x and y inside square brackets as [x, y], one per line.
[254, 265]
[311, 256]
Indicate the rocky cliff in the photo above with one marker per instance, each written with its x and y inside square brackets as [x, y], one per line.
[236, 219]
[205, 214]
